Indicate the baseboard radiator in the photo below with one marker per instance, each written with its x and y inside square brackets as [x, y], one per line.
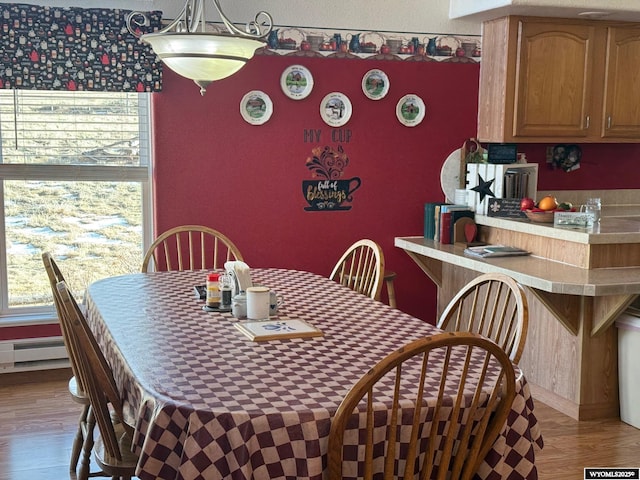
[32, 354]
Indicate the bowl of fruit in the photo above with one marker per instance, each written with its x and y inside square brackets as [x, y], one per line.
[544, 210]
[539, 216]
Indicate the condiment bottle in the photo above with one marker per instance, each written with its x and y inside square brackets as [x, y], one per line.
[225, 290]
[213, 290]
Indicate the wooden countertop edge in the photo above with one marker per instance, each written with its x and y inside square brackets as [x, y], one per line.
[600, 235]
[546, 279]
[534, 272]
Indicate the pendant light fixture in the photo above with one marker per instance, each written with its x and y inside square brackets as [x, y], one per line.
[187, 48]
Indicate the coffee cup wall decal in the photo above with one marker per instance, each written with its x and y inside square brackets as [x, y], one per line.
[329, 194]
[328, 191]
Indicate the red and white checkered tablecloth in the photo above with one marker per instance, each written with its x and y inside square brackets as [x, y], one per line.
[208, 403]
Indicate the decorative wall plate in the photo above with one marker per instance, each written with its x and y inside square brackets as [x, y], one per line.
[410, 110]
[335, 109]
[296, 82]
[256, 107]
[375, 84]
[450, 175]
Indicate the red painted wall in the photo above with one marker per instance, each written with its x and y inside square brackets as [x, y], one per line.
[30, 331]
[214, 168]
[245, 180]
[602, 167]
[211, 167]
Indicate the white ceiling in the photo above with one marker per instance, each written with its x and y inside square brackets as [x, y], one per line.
[420, 16]
[479, 10]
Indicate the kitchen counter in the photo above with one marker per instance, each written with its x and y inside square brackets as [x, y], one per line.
[577, 282]
[610, 230]
[531, 270]
[614, 243]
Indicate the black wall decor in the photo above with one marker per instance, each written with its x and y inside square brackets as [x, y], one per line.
[68, 48]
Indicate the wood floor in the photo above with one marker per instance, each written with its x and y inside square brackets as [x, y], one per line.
[38, 421]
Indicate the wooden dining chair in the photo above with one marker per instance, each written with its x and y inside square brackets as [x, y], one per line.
[84, 434]
[493, 305]
[112, 450]
[361, 268]
[424, 438]
[190, 247]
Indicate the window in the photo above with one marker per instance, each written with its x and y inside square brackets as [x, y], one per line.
[74, 181]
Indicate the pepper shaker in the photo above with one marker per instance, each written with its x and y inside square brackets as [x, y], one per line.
[225, 290]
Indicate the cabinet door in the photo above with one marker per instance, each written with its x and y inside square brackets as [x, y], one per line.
[553, 80]
[621, 116]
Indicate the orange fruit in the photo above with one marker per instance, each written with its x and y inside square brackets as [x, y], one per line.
[548, 203]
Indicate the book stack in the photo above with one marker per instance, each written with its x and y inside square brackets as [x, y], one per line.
[429, 218]
[443, 221]
[516, 183]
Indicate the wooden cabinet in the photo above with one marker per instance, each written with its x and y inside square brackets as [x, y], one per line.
[544, 79]
[622, 84]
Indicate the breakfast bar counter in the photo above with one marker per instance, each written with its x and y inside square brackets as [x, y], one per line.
[577, 283]
[532, 271]
[611, 230]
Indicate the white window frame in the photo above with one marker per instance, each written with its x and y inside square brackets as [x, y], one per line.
[143, 174]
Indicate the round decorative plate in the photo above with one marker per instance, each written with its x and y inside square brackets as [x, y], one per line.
[375, 84]
[335, 109]
[450, 175]
[410, 110]
[296, 82]
[256, 107]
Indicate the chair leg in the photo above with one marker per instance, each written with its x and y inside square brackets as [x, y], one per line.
[87, 446]
[78, 441]
[391, 292]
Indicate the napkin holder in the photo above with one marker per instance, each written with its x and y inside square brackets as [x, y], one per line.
[240, 274]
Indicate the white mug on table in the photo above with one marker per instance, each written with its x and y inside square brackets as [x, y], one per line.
[258, 299]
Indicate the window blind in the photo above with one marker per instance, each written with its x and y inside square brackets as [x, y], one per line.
[79, 135]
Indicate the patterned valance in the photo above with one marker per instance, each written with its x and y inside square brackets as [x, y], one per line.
[68, 48]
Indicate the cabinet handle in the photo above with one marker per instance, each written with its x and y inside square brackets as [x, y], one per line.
[587, 122]
[609, 122]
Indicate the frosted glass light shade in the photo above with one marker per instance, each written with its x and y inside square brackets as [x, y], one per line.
[202, 57]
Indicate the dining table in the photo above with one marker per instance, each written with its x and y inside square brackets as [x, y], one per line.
[207, 402]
